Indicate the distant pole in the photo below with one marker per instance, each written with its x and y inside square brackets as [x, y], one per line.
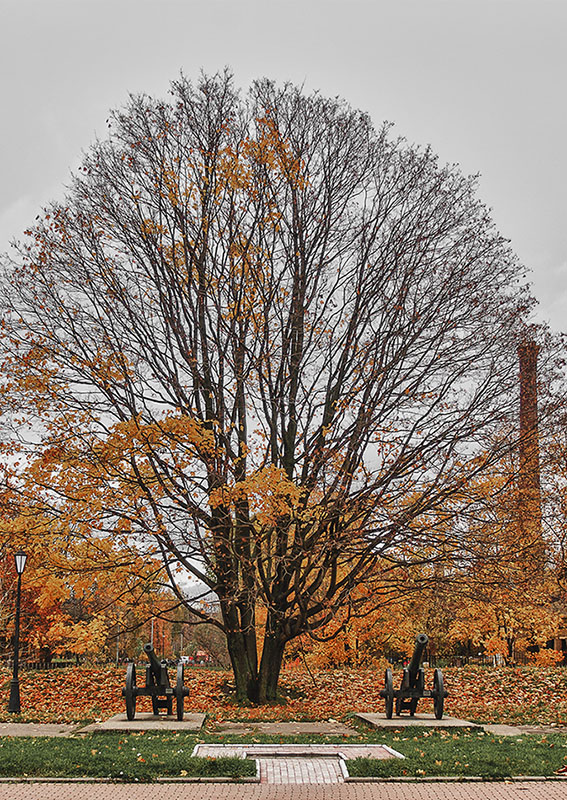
[152, 633]
[117, 645]
[14, 702]
[529, 489]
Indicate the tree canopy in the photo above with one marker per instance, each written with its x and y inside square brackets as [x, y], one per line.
[267, 342]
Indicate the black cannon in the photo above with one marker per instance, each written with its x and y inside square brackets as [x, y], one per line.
[157, 686]
[413, 685]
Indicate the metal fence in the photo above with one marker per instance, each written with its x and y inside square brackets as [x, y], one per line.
[40, 664]
[482, 660]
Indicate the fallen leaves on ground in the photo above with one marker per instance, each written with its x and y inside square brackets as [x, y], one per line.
[480, 694]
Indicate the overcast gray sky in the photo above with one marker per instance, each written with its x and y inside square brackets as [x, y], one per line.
[482, 81]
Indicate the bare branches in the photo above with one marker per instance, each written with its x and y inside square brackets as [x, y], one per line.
[273, 339]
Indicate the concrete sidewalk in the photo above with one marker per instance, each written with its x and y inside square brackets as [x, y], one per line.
[428, 721]
[147, 722]
[36, 729]
[194, 722]
[380, 720]
[411, 790]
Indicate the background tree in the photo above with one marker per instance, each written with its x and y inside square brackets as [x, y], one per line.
[78, 593]
[266, 342]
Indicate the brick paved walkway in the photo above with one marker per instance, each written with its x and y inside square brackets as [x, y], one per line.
[527, 790]
[300, 770]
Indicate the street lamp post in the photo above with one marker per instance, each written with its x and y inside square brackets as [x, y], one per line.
[14, 702]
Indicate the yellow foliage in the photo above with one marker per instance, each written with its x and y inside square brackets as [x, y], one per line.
[548, 657]
[269, 492]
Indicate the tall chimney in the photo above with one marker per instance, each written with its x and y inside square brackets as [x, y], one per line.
[529, 488]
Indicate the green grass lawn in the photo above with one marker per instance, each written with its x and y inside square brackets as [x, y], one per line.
[128, 757]
[147, 756]
[464, 752]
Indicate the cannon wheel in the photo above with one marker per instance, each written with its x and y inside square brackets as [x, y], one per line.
[130, 692]
[389, 693]
[179, 692]
[439, 694]
[400, 698]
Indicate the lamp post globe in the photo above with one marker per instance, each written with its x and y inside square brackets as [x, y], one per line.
[14, 703]
[20, 559]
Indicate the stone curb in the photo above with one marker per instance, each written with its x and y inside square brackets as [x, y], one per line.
[36, 779]
[201, 779]
[256, 780]
[455, 779]
[248, 779]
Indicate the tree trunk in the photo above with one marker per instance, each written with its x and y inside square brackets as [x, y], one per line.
[245, 677]
[261, 686]
[270, 665]
[241, 642]
[252, 684]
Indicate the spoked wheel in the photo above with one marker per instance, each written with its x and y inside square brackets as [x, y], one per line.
[389, 693]
[179, 692]
[399, 698]
[130, 691]
[438, 694]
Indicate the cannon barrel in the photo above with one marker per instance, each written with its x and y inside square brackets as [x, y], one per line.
[155, 664]
[420, 645]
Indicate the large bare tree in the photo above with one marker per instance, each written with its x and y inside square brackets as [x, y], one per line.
[267, 341]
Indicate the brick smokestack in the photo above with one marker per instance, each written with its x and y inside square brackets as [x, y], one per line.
[529, 488]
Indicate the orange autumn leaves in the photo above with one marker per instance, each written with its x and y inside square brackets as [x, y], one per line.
[76, 594]
[525, 695]
[269, 491]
